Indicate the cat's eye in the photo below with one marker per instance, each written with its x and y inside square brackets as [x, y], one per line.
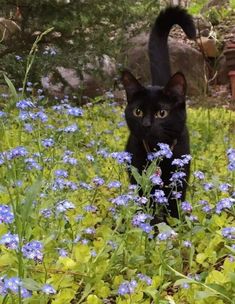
[138, 113]
[161, 114]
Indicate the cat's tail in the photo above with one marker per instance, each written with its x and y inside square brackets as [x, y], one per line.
[158, 48]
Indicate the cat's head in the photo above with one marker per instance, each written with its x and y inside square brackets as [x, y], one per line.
[155, 114]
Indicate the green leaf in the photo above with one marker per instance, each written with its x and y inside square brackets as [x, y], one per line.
[151, 291]
[30, 284]
[11, 87]
[82, 253]
[200, 295]
[93, 299]
[30, 196]
[182, 281]
[136, 175]
[219, 289]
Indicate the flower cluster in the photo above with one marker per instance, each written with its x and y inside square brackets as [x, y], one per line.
[13, 285]
[231, 159]
[229, 233]
[6, 216]
[159, 197]
[25, 104]
[121, 157]
[225, 203]
[63, 184]
[64, 205]
[127, 288]
[33, 251]
[170, 234]
[11, 241]
[164, 151]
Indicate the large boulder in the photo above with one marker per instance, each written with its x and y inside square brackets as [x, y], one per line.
[88, 83]
[8, 29]
[183, 57]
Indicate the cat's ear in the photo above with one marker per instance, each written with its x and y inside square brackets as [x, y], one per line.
[176, 85]
[131, 84]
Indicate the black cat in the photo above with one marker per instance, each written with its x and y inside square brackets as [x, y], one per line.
[157, 114]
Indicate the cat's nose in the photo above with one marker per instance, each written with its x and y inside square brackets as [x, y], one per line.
[146, 122]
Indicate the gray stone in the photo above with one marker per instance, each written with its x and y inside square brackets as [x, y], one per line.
[183, 58]
[90, 82]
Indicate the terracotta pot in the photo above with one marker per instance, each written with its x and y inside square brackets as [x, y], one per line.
[231, 75]
[230, 59]
[229, 53]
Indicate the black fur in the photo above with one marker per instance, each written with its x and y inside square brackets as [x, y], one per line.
[167, 94]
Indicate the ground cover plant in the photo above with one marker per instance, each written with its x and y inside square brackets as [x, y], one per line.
[72, 228]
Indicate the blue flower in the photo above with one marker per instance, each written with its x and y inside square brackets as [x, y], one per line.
[90, 208]
[163, 236]
[225, 203]
[12, 284]
[89, 230]
[46, 213]
[199, 175]
[33, 251]
[74, 111]
[208, 186]
[182, 162]
[25, 104]
[187, 244]
[144, 278]
[3, 114]
[122, 200]
[114, 184]
[121, 157]
[48, 142]
[127, 288]
[98, 181]
[164, 151]
[186, 207]
[6, 216]
[177, 177]
[48, 289]
[41, 116]
[69, 160]
[156, 179]
[63, 184]
[28, 127]
[224, 187]
[141, 200]
[17, 152]
[140, 218]
[11, 241]
[229, 233]
[90, 158]
[64, 205]
[70, 129]
[159, 197]
[32, 164]
[61, 173]
[18, 58]
[63, 252]
[146, 227]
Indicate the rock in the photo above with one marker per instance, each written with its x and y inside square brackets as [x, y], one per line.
[8, 29]
[69, 76]
[222, 71]
[182, 56]
[64, 81]
[203, 26]
[208, 46]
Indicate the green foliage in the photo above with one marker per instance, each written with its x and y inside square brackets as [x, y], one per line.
[103, 247]
[88, 29]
